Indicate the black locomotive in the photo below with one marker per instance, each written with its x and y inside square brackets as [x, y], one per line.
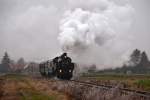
[62, 67]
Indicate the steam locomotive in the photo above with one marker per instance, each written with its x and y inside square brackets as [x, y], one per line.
[62, 67]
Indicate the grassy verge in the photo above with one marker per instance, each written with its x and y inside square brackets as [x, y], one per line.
[141, 82]
[28, 94]
[144, 84]
[26, 88]
[15, 77]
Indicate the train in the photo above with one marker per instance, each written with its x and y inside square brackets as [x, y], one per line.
[61, 67]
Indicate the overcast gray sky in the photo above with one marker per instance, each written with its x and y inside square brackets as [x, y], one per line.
[29, 28]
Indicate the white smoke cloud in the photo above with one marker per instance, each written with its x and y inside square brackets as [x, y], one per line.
[97, 29]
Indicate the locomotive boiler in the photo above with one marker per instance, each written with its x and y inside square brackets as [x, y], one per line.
[61, 67]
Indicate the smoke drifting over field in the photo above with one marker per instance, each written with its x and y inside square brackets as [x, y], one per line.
[94, 30]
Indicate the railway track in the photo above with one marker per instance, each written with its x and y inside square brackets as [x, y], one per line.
[124, 91]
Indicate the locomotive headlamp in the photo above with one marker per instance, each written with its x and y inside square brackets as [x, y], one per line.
[70, 71]
[60, 70]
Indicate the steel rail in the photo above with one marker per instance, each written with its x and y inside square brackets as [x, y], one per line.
[126, 90]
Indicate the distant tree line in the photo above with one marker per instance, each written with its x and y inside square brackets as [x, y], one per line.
[137, 64]
[139, 59]
[8, 65]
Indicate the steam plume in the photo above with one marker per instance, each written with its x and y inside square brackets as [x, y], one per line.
[91, 25]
